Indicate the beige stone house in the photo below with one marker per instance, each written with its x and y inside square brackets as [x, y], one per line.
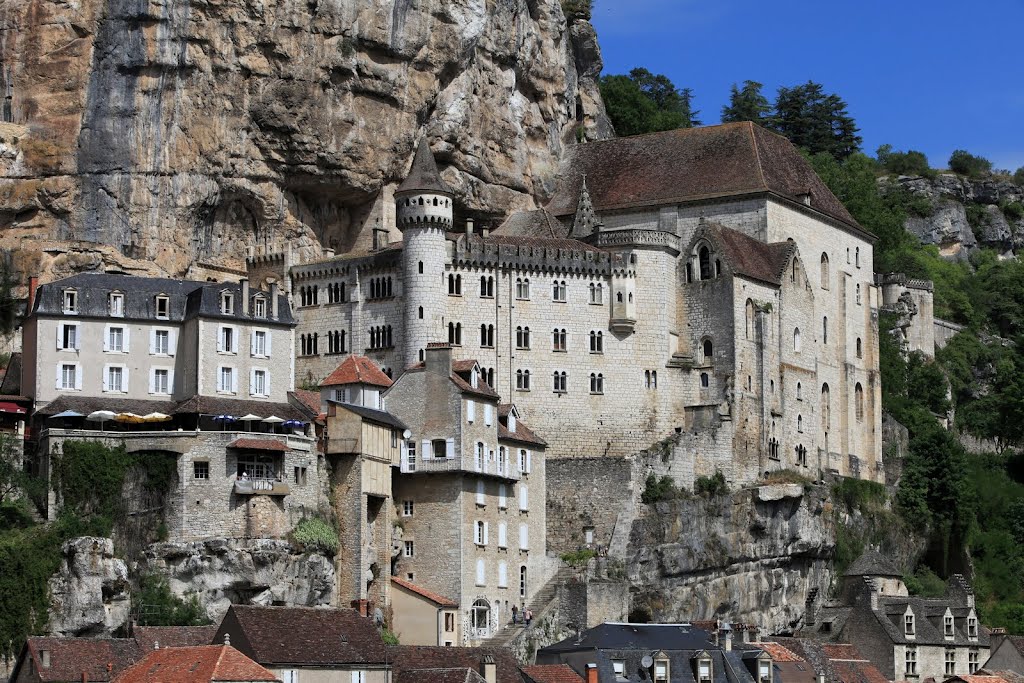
[422, 617]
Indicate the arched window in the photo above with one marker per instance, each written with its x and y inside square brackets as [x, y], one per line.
[858, 400]
[799, 391]
[705, 380]
[558, 340]
[596, 383]
[709, 350]
[718, 268]
[796, 340]
[631, 297]
[749, 309]
[596, 341]
[824, 330]
[824, 271]
[522, 337]
[858, 294]
[704, 263]
[856, 256]
[421, 312]
[860, 348]
[421, 267]
[647, 379]
[689, 272]
[558, 290]
[523, 380]
[826, 408]
[800, 423]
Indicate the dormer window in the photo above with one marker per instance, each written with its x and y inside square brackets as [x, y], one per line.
[704, 670]
[908, 624]
[512, 422]
[972, 627]
[259, 307]
[619, 668]
[947, 625]
[764, 671]
[115, 304]
[70, 301]
[474, 378]
[163, 306]
[661, 671]
[227, 303]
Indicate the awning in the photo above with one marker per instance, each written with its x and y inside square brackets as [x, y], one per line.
[13, 408]
[67, 413]
[260, 445]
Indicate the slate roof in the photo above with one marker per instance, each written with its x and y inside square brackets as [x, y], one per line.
[11, 385]
[691, 164]
[552, 673]
[372, 414]
[872, 563]
[436, 598]
[187, 299]
[196, 664]
[750, 257]
[620, 636]
[450, 675]
[408, 658]
[304, 636]
[565, 243]
[99, 658]
[148, 637]
[423, 176]
[928, 622]
[539, 223]
[357, 370]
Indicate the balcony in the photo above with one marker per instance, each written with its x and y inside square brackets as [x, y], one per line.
[261, 487]
[434, 465]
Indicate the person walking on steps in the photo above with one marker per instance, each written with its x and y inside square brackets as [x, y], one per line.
[515, 615]
[528, 616]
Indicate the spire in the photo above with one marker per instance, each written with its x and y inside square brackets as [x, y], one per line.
[587, 222]
[423, 176]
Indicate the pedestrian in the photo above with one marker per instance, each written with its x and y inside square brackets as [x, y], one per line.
[528, 615]
[515, 614]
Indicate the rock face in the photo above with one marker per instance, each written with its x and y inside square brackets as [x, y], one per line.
[965, 214]
[163, 136]
[752, 556]
[89, 594]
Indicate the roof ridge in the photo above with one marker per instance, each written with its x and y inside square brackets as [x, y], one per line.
[757, 155]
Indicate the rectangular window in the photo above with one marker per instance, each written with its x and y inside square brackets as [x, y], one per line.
[227, 340]
[409, 549]
[163, 307]
[259, 382]
[299, 475]
[704, 670]
[502, 535]
[661, 671]
[480, 533]
[524, 498]
[410, 455]
[407, 508]
[69, 337]
[449, 622]
[502, 496]
[226, 380]
[161, 342]
[259, 308]
[259, 343]
[68, 374]
[200, 470]
[972, 661]
[227, 304]
[911, 661]
[972, 627]
[619, 668]
[161, 381]
[70, 301]
[117, 305]
[948, 625]
[115, 339]
[524, 537]
[908, 624]
[115, 379]
[950, 661]
[502, 575]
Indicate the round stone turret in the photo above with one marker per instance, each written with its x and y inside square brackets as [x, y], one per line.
[423, 200]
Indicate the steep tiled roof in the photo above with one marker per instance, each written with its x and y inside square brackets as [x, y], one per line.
[406, 658]
[149, 637]
[449, 675]
[839, 662]
[381, 416]
[539, 223]
[872, 563]
[778, 652]
[260, 445]
[541, 242]
[552, 673]
[304, 635]
[11, 385]
[691, 164]
[750, 257]
[100, 659]
[926, 631]
[87, 404]
[197, 664]
[423, 176]
[357, 370]
[436, 598]
[306, 400]
[523, 434]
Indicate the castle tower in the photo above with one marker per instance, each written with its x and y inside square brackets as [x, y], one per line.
[423, 208]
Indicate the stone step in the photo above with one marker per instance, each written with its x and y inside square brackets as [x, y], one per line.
[538, 603]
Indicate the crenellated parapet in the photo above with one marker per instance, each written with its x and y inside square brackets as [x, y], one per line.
[536, 254]
[637, 238]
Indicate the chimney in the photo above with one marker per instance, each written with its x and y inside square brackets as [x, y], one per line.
[469, 227]
[821, 678]
[996, 638]
[33, 285]
[245, 295]
[490, 669]
[380, 237]
[727, 633]
[85, 677]
[591, 673]
[328, 253]
[227, 638]
[439, 359]
[273, 300]
[485, 231]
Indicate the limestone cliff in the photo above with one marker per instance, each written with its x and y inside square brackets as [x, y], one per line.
[959, 215]
[165, 136]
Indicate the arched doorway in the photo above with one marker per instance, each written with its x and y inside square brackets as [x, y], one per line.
[481, 619]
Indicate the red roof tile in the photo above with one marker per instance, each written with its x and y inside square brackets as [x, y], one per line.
[198, 664]
[260, 445]
[778, 652]
[436, 598]
[860, 671]
[522, 434]
[308, 399]
[357, 370]
[750, 257]
[552, 673]
[453, 675]
[99, 658]
[841, 651]
[149, 637]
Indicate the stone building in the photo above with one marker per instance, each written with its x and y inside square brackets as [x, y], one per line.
[701, 281]
[422, 617]
[906, 637]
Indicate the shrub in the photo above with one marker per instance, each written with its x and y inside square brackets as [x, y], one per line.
[158, 606]
[910, 162]
[860, 494]
[315, 535]
[786, 477]
[1018, 176]
[389, 637]
[711, 486]
[578, 559]
[965, 163]
[1013, 211]
[926, 583]
[656, 489]
[577, 9]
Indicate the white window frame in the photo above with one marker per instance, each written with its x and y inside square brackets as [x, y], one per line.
[503, 574]
[108, 332]
[524, 498]
[227, 303]
[154, 334]
[266, 382]
[254, 349]
[77, 377]
[502, 495]
[107, 389]
[234, 379]
[69, 296]
[408, 508]
[502, 535]
[480, 533]
[259, 307]
[115, 304]
[481, 492]
[524, 537]
[409, 549]
[152, 380]
[233, 350]
[166, 301]
[61, 346]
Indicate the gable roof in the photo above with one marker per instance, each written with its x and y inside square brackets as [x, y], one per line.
[408, 658]
[195, 664]
[303, 635]
[423, 176]
[372, 414]
[538, 223]
[778, 652]
[357, 370]
[690, 164]
[619, 636]
[435, 598]
[449, 675]
[872, 563]
[552, 673]
[100, 659]
[306, 401]
[750, 257]
[150, 637]
[838, 662]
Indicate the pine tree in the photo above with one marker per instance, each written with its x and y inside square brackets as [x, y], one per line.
[746, 104]
[643, 102]
[815, 120]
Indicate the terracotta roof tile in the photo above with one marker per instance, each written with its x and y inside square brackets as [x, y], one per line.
[691, 164]
[778, 652]
[148, 637]
[357, 370]
[750, 257]
[198, 664]
[522, 434]
[260, 445]
[552, 673]
[861, 671]
[841, 651]
[307, 399]
[436, 598]
[303, 635]
[99, 658]
[406, 658]
[450, 675]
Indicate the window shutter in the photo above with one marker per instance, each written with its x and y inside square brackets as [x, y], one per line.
[252, 343]
[470, 411]
[486, 525]
[266, 382]
[502, 497]
[524, 497]
[127, 339]
[480, 498]
[60, 377]
[449, 448]
[78, 337]
[220, 339]
[252, 382]
[152, 342]
[502, 575]
[234, 339]
[480, 572]
[426, 449]
[487, 414]
[269, 336]
[502, 535]
[524, 537]
[60, 336]
[234, 381]
[78, 377]
[152, 381]
[106, 376]
[124, 379]
[529, 467]
[106, 337]
[172, 341]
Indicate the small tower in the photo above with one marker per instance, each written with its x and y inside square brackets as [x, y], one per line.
[424, 207]
[586, 222]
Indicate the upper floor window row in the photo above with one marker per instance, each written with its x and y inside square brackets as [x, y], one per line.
[115, 304]
[380, 288]
[309, 295]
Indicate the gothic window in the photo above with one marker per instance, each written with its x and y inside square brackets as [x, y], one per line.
[796, 340]
[718, 267]
[522, 380]
[857, 257]
[522, 337]
[708, 349]
[858, 399]
[824, 271]
[487, 374]
[559, 291]
[800, 423]
[705, 380]
[799, 392]
[596, 293]
[522, 288]
[558, 340]
[704, 261]
[560, 382]
[486, 286]
[487, 336]
[858, 294]
[860, 348]
[420, 311]
[455, 334]
[421, 262]
[773, 448]
[454, 285]
[801, 455]
[596, 342]
[826, 408]
[596, 383]
[618, 297]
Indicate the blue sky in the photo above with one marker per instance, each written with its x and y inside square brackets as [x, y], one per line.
[932, 76]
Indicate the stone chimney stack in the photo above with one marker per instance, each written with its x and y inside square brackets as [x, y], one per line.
[273, 301]
[469, 227]
[380, 237]
[727, 635]
[245, 295]
[439, 359]
[485, 231]
[490, 669]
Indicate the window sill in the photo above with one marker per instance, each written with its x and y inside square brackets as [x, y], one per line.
[227, 393]
[227, 353]
[559, 351]
[119, 353]
[259, 395]
[597, 353]
[597, 393]
[522, 348]
[159, 393]
[559, 392]
[69, 389]
[486, 296]
[559, 301]
[114, 391]
[259, 355]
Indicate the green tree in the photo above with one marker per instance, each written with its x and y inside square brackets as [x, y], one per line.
[963, 162]
[815, 120]
[1018, 176]
[642, 102]
[910, 162]
[577, 9]
[746, 104]
[158, 606]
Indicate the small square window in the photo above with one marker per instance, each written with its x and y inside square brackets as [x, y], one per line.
[163, 306]
[200, 470]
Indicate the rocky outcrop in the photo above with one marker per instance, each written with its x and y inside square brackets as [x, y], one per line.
[89, 595]
[168, 136]
[960, 214]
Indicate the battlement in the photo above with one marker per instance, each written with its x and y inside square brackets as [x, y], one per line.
[900, 279]
[555, 255]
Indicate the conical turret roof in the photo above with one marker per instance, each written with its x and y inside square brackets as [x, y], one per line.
[586, 221]
[423, 176]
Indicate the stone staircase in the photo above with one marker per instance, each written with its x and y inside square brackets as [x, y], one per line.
[541, 600]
